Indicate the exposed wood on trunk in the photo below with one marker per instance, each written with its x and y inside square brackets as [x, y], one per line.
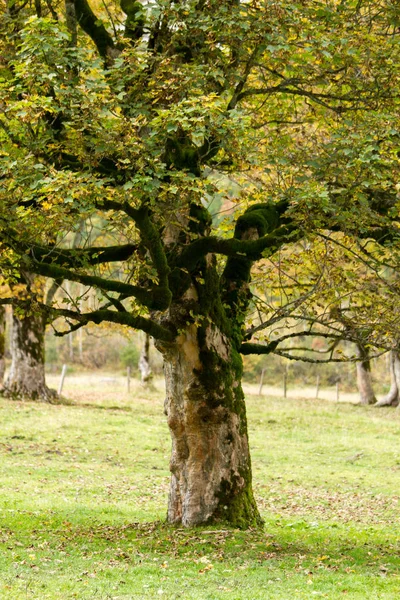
[210, 463]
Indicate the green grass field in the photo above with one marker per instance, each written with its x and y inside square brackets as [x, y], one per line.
[84, 487]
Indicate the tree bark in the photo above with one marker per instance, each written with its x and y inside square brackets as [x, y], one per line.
[26, 379]
[146, 374]
[210, 463]
[2, 342]
[392, 397]
[364, 381]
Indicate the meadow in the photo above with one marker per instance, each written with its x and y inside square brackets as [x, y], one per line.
[83, 495]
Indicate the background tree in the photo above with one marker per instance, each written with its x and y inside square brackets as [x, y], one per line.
[392, 397]
[126, 122]
[26, 376]
[2, 342]
[146, 374]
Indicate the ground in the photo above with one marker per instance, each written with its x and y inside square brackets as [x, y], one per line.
[83, 494]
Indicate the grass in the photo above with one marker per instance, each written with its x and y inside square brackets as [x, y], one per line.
[83, 493]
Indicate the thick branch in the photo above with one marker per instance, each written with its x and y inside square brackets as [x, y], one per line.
[250, 249]
[80, 257]
[248, 348]
[91, 25]
[97, 316]
[152, 240]
[48, 261]
[111, 316]
[151, 299]
[336, 338]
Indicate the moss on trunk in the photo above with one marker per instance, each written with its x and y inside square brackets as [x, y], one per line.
[211, 468]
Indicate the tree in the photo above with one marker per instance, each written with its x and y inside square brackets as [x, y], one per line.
[392, 397]
[146, 374]
[2, 342]
[125, 123]
[364, 382]
[26, 377]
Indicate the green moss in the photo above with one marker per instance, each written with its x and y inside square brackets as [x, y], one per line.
[238, 269]
[238, 507]
[200, 219]
[152, 240]
[265, 218]
[182, 155]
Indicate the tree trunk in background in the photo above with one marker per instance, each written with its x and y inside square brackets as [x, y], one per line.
[26, 379]
[364, 382]
[392, 397]
[210, 463]
[2, 342]
[146, 374]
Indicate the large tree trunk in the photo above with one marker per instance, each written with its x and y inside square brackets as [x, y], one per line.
[210, 464]
[26, 379]
[2, 342]
[392, 397]
[364, 381]
[211, 469]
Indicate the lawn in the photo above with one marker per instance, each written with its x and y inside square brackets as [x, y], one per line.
[83, 493]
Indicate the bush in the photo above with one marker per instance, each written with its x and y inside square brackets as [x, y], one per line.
[129, 355]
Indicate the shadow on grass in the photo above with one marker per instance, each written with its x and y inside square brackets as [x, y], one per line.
[63, 401]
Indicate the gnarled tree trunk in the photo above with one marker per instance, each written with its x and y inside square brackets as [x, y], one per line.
[210, 464]
[26, 378]
[364, 381]
[2, 342]
[392, 397]
[211, 468]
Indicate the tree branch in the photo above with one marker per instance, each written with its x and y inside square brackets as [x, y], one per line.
[97, 316]
[250, 249]
[248, 348]
[151, 299]
[80, 257]
[93, 27]
[111, 316]
[322, 99]
[328, 360]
